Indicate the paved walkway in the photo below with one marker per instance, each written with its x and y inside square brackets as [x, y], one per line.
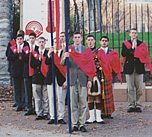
[15, 124]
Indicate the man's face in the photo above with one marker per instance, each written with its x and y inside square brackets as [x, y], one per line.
[19, 40]
[42, 44]
[77, 39]
[90, 42]
[104, 42]
[133, 34]
[62, 38]
[32, 39]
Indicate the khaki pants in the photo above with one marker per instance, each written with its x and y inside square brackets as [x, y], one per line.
[41, 99]
[60, 101]
[78, 104]
[135, 88]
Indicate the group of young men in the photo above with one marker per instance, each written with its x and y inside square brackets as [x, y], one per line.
[91, 76]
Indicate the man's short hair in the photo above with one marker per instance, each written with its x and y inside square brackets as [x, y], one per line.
[133, 29]
[32, 34]
[42, 38]
[19, 35]
[106, 37]
[76, 32]
[62, 32]
[20, 32]
[90, 36]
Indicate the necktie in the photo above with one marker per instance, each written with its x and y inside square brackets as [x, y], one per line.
[61, 53]
[77, 49]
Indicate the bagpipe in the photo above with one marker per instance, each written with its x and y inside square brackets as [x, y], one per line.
[97, 87]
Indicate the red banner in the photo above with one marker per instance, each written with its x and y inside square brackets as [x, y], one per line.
[57, 22]
[53, 14]
[44, 67]
[85, 61]
[13, 42]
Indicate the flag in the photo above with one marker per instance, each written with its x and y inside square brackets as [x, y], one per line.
[44, 67]
[85, 61]
[141, 52]
[13, 42]
[53, 17]
[57, 30]
[115, 63]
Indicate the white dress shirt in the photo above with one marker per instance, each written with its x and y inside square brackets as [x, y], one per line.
[32, 47]
[20, 47]
[104, 49]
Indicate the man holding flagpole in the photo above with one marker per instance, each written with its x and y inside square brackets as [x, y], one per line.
[59, 82]
[79, 80]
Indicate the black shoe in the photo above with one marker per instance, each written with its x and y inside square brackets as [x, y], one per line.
[19, 109]
[138, 109]
[131, 109]
[75, 129]
[34, 113]
[29, 113]
[39, 118]
[87, 122]
[109, 117]
[51, 121]
[106, 116]
[61, 121]
[46, 117]
[14, 105]
[102, 122]
[83, 129]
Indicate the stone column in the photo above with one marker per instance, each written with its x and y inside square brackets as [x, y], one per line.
[6, 7]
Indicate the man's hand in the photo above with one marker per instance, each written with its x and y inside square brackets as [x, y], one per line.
[134, 44]
[89, 84]
[66, 54]
[64, 86]
[50, 51]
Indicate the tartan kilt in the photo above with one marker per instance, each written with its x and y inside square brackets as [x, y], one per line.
[108, 103]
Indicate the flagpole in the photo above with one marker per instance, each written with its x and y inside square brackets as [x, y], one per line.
[67, 64]
[82, 15]
[100, 18]
[53, 76]
[94, 6]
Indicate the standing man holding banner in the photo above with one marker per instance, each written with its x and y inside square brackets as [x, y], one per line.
[39, 80]
[59, 81]
[78, 80]
[28, 73]
[15, 56]
[136, 55]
